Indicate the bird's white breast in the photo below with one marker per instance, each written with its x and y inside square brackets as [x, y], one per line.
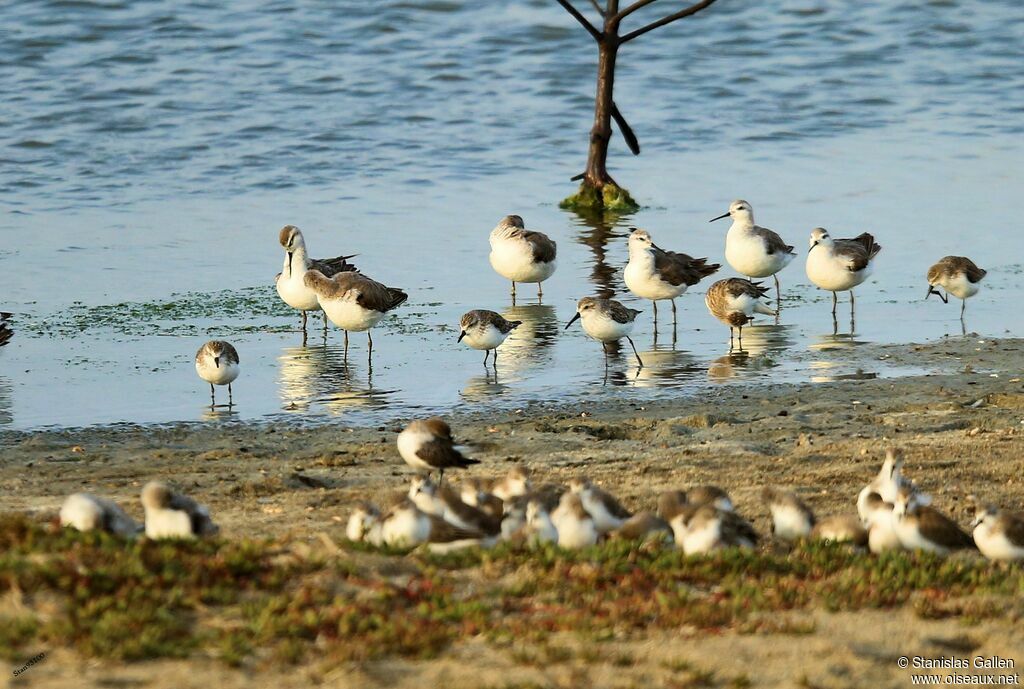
[604, 328]
[226, 373]
[790, 523]
[512, 258]
[746, 253]
[487, 337]
[165, 523]
[349, 315]
[960, 287]
[644, 281]
[293, 290]
[831, 272]
[409, 443]
[996, 546]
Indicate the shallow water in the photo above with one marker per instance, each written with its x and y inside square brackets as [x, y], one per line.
[152, 151]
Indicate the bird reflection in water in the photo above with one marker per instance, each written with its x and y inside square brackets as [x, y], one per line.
[828, 370]
[6, 416]
[596, 231]
[223, 413]
[321, 374]
[664, 366]
[484, 387]
[531, 343]
[761, 345]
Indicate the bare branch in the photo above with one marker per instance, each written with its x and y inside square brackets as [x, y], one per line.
[597, 7]
[598, 36]
[633, 8]
[626, 130]
[692, 9]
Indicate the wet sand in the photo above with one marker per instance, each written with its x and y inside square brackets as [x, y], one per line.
[962, 431]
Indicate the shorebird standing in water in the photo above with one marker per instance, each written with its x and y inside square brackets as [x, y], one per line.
[751, 250]
[290, 283]
[483, 329]
[959, 276]
[353, 301]
[522, 255]
[217, 364]
[427, 445]
[839, 265]
[734, 302]
[606, 320]
[653, 273]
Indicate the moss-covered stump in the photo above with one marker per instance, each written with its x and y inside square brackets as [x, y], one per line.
[610, 197]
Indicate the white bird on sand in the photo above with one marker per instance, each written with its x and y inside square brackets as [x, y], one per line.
[87, 512]
[172, 515]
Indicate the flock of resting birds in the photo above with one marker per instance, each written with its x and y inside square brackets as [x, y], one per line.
[892, 513]
[356, 303]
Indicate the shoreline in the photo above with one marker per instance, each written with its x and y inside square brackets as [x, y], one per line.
[961, 432]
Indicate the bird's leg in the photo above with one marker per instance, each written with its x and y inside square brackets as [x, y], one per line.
[963, 306]
[835, 300]
[730, 338]
[638, 359]
[495, 362]
[487, 353]
[513, 289]
[655, 302]
[213, 397]
[778, 293]
[346, 345]
[325, 321]
[440, 476]
[303, 321]
[673, 314]
[231, 401]
[741, 337]
[369, 339]
[540, 292]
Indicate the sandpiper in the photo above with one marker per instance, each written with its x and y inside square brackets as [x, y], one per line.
[644, 526]
[888, 483]
[709, 495]
[539, 527]
[483, 329]
[428, 445]
[5, 331]
[607, 512]
[792, 519]
[442, 501]
[90, 513]
[921, 527]
[606, 320]
[703, 528]
[217, 364]
[474, 492]
[514, 484]
[364, 523]
[840, 528]
[522, 255]
[959, 276]
[353, 301]
[576, 528]
[998, 534]
[173, 515]
[291, 286]
[734, 301]
[839, 265]
[751, 250]
[405, 526]
[653, 273]
[881, 524]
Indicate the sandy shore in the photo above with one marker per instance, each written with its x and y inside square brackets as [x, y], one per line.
[962, 430]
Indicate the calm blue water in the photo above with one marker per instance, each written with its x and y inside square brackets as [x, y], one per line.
[150, 150]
